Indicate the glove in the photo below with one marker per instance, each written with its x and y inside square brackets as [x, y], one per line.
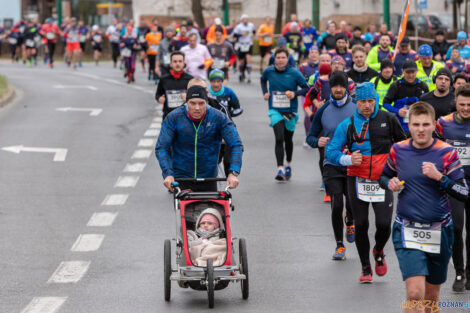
[311, 117]
[400, 103]
[201, 66]
[412, 100]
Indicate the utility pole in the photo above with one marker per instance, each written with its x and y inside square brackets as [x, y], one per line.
[386, 12]
[316, 14]
[225, 7]
[59, 12]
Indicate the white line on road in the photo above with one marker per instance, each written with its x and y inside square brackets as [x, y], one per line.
[141, 154]
[102, 219]
[93, 112]
[152, 133]
[134, 167]
[69, 272]
[87, 75]
[75, 87]
[59, 154]
[157, 120]
[126, 182]
[87, 242]
[146, 143]
[44, 305]
[116, 199]
[156, 125]
[113, 81]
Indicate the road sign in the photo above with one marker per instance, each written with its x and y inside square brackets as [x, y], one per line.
[422, 4]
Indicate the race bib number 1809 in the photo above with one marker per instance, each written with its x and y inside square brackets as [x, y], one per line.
[369, 190]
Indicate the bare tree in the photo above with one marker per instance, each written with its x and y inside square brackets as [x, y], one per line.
[278, 24]
[291, 8]
[196, 8]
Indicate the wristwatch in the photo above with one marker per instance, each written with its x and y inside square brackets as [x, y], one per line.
[443, 179]
[234, 173]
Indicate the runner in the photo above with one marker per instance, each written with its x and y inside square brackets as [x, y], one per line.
[182, 39]
[427, 67]
[360, 72]
[142, 32]
[294, 41]
[243, 34]
[311, 65]
[222, 53]
[153, 39]
[421, 168]
[327, 40]
[441, 99]
[381, 51]
[171, 89]
[456, 64]
[368, 135]
[342, 50]
[96, 42]
[404, 53]
[455, 130]
[439, 46]
[265, 35]
[309, 36]
[197, 57]
[403, 93]
[385, 79]
[73, 45]
[281, 42]
[325, 58]
[461, 46]
[165, 48]
[13, 39]
[210, 37]
[357, 37]
[459, 80]
[30, 32]
[129, 48]
[83, 37]
[50, 31]
[283, 106]
[114, 35]
[338, 108]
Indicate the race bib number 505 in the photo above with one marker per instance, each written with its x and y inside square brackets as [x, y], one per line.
[422, 237]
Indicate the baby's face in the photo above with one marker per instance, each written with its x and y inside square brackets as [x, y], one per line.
[207, 226]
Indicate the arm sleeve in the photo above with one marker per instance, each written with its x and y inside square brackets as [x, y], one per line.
[302, 83]
[233, 141]
[389, 98]
[234, 105]
[397, 131]
[316, 128]
[264, 82]
[163, 147]
[335, 148]
[160, 90]
[389, 170]
[456, 188]
[449, 51]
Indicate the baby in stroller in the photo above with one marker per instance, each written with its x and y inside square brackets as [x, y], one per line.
[208, 241]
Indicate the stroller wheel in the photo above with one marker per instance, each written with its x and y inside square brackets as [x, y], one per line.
[167, 269]
[210, 283]
[243, 267]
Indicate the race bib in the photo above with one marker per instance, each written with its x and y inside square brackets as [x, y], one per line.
[463, 150]
[280, 100]
[141, 39]
[167, 59]
[37, 38]
[421, 237]
[174, 99]
[296, 56]
[82, 38]
[114, 38]
[153, 48]
[245, 47]
[218, 63]
[268, 39]
[126, 52]
[50, 35]
[307, 39]
[369, 190]
[29, 43]
[12, 41]
[97, 38]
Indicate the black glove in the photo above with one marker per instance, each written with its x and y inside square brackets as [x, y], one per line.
[311, 117]
[201, 66]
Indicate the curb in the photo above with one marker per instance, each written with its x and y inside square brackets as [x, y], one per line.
[9, 95]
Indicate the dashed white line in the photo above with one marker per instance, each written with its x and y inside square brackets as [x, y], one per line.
[157, 119]
[135, 167]
[87, 242]
[156, 125]
[69, 272]
[141, 154]
[116, 199]
[146, 143]
[126, 182]
[44, 305]
[152, 133]
[102, 219]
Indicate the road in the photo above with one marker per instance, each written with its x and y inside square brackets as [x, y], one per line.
[109, 171]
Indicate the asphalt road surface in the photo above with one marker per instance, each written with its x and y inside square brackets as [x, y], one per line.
[83, 212]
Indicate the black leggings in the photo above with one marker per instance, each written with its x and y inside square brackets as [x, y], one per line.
[115, 51]
[51, 49]
[337, 205]
[383, 220]
[460, 217]
[152, 58]
[321, 151]
[283, 136]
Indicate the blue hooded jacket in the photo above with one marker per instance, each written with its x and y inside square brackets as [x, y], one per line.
[187, 149]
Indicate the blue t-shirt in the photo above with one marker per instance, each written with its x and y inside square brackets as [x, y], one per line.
[309, 36]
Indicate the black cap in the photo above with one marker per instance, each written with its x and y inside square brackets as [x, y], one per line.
[386, 63]
[440, 32]
[196, 91]
[357, 28]
[444, 71]
[409, 65]
[190, 23]
[405, 41]
[338, 78]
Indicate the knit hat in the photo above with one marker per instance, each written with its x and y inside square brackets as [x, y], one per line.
[339, 78]
[169, 29]
[425, 51]
[196, 92]
[337, 58]
[314, 48]
[216, 74]
[386, 63]
[208, 217]
[365, 91]
[461, 35]
[444, 71]
[325, 69]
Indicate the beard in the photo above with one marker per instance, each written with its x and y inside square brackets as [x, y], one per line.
[442, 90]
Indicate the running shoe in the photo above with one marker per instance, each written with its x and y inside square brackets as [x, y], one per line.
[80, 64]
[280, 175]
[326, 198]
[51, 65]
[380, 264]
[350, 233]
[322, 187]
[459, 285]
[340, 253]
[366, 275]
[288, 172]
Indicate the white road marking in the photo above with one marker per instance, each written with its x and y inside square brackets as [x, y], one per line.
[157, 120]
[116, 199]
[158, 112]
[113, 81]
[152, 133]
[87, 75]
[138, 87]
[141, 154]
[146, 143]
[69, 272]
[134, 167]
[156, 125]
[59, 154]
[87, 242]
[75, 87]
[102, 219]
[44, 305]
[93, 112]
[126, 182]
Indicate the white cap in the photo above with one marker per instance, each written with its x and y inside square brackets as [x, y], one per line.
[95, 28]
[217, 21]
[243, 16]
